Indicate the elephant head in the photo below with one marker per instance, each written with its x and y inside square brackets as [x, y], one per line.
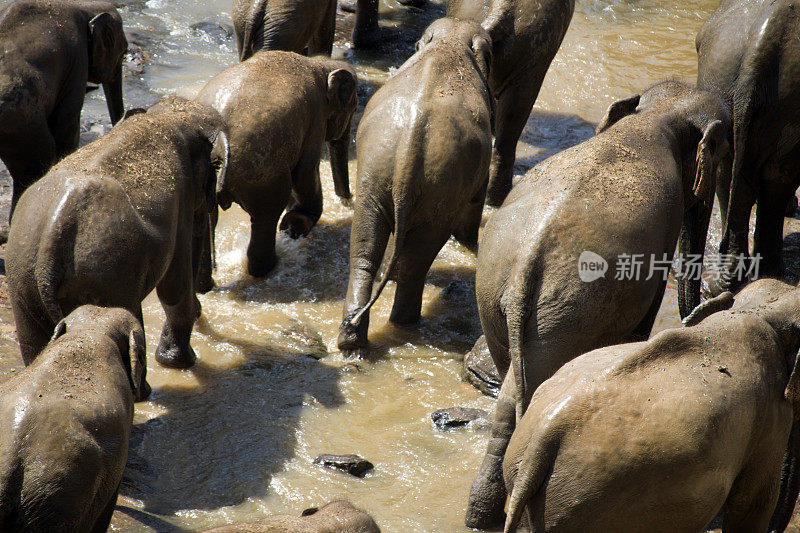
[342, 102]
[702, 127]
[124, 330]
[107, 48]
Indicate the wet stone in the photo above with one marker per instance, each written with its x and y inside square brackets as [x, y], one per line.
[221, 33]
[456, 417]
[351, 464]
[479, 370]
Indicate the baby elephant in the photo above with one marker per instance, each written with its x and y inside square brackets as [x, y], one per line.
[281, 108]
[116, 219]
[662, 435]
[66, 420]
[424, 147]
[335, 517]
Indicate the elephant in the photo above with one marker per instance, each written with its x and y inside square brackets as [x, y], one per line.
[661, 435]
[334, 517]
[642, 185]
[281, 107]
[424, 146]
[366, 32]
[290, 25]
[66, 421]
[526, 34]
[117, 218]
[744, 54]
[43, 79]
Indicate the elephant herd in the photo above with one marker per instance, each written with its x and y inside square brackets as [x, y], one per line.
[596, 427]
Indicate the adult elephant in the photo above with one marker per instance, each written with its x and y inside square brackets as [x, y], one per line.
[66, 422]
[610, 442]
[116, 219]
[421, 175]
[747, 53]
[526, 35]
[544, 296]
[43, 75]
[302, 26]
[281, 107]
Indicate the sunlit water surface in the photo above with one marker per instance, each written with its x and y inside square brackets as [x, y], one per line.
[233, 439]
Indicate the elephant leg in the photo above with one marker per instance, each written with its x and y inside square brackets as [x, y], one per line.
[469, 226]
[790, 484]
[322, 41]
[750, 508]
[203, 252]
[643, 329]
[419, 249]
[33, 330]
[65, 123]
[306, 207]
[265, 208]
[103, 521]
[487, 496]
[773, 196]
[514, 106]
[366, 33]
[368, 238]
[24, 165]
[176, 293]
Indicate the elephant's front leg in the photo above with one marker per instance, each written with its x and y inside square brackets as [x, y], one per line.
[487, 496]
[203, 249]
[513, 109]
[366, 33]
[176, 293]
[776, 190]
[368, 239]
[306, 207]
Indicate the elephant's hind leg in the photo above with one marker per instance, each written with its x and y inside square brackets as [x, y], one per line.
[749, 508]
[25, 166]
[34, 329]
[306, 207]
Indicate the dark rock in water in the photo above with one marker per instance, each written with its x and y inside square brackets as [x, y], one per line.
[479, 370]
[456, 417]
[305, 340]
[351, 464]
[351, 368]
[221, 33]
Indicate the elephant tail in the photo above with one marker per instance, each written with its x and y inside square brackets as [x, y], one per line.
[532, 472]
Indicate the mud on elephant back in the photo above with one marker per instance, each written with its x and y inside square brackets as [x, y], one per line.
[116, 219]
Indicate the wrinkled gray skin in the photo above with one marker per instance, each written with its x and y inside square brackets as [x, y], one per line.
[662, 435]
[526, 35]
[281, 107]
[44, 69]
[424, 145]
[335, 517]
[302, 26]
[644, 184]
[366, 32]
[119, 217]
[748, 51]
[66, 420]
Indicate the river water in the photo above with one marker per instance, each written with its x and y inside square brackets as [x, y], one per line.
[233, 439]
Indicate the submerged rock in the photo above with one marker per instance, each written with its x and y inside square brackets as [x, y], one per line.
[305, 340]
[479, 370]
[221, 33]
[351, 464]
[454, 417]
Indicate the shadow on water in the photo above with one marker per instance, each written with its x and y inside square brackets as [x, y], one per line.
[190, 465]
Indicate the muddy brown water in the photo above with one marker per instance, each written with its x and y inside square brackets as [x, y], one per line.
[233, 439]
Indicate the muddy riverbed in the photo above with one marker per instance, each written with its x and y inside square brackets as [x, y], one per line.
[234, 438]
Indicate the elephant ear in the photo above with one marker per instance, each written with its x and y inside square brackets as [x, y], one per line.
[59, 330]
[712, 149]
[482, 49]
[138, 364]
[105, 47]
[220, 158]
[341, 88]
[792, 393]
[617, 111]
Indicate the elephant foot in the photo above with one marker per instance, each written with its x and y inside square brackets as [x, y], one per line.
[368, 37]
[144, 392]
[171, 355]
[487, 497]
[352, 342]
[348, 6]
[297, 224]
[259, 267]
[497, 192]
[405, 320]
[204, 283]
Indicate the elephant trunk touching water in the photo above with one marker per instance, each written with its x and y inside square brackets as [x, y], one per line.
[649, 175]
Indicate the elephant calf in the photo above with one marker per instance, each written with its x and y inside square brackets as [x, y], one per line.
[123, 215]
[281, 107]
[644, 184]
[50, 50]
[66, 420]
[335, 517]
[424, 146]
[662, 435]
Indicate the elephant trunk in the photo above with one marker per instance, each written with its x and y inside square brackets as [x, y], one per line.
[790, 484]
[113, 92]
[691, 246]
[340, 154]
